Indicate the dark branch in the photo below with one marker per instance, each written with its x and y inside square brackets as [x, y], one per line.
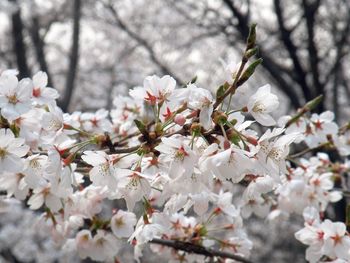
[310, 11]
[39, 46]
[271, 66]
[19, 46]
[292, 51]
[74, 57]
[196, 249]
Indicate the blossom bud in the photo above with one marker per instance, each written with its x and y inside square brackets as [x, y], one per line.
[233, 136]
[159, 129]
[227, 144]
[152, 135]
[179, 120]
[219, 117]
[233, 122]
[252, 140]
[196, 128]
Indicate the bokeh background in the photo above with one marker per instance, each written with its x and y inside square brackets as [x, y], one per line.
[93, 50]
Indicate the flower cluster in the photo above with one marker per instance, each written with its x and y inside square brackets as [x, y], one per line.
[173, 165]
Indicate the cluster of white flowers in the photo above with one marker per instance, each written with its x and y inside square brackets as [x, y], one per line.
[176, 160]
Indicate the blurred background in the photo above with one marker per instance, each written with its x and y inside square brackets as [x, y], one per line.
[93, 50]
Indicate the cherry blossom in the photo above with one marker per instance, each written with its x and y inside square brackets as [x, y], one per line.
[170, 164]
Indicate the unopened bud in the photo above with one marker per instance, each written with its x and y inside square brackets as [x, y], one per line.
[69, 159]
[196, 128]
[227, 144]
[179, 120]
[252, 140]
[219, 117]
[152, 135]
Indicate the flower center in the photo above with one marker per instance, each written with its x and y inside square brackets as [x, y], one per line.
[3, 153]
[181, 153]
[12, 99]
[275, 154]
[36, 92]
[55, 124]
[259, 107]
[119, 222]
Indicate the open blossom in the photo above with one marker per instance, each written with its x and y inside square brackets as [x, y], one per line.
[122, 223]
[11, 151]
[42, 94]
[176, 186]
[155, 90]
[197, 99]
[15, 97]
[232, 164]
[178, 154]
[323, 238]
[261, 104]
[96, 122]
[319, 127]
[103, 172]
[133, 186]
[273, 152]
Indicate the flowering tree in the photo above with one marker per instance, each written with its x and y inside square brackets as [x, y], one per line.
[175, 156]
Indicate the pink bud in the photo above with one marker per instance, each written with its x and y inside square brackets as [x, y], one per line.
[227, 144]
[180, 120]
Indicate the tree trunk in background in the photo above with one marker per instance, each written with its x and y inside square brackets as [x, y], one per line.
[39, 48]
[73, 58]
[19, 47]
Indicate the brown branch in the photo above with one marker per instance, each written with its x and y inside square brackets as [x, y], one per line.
[196, 249]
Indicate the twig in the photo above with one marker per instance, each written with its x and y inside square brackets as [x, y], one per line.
[310, 105]
[127, 150]
[196, 249]
[307, 150]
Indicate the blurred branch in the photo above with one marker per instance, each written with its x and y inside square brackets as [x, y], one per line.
[270, 65]
[164, 68]
[74, 57]
[19, 47]
[39, 48]
[292, 51]
[310, 11]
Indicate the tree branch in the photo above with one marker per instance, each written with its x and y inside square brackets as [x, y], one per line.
[19, 47]
[309, 13]
[196, 249]
[74, 57]
[39, 48]
[164, 68]
[270, 66]
[292, 50]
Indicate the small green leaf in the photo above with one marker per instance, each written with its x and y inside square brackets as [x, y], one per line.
[251, 52]
[193, 80]
[221, 90]
[251, 37]
[141, 126]
[249, 71]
